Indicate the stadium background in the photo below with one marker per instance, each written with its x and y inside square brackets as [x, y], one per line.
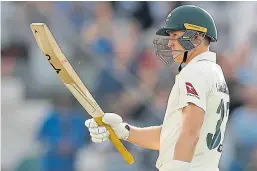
[110, 47]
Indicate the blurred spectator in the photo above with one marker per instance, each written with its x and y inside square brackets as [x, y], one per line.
[234, 66]
[114, 80]
[138, 10]
[62, 133]
[253, 162]
[243, 133]
[76, 12]
[98, 34]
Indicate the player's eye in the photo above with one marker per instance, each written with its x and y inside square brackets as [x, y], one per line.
[173, 35]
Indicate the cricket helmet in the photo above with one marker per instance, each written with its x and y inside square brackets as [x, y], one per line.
[190, 19]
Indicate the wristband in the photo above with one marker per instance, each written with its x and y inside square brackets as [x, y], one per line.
[127, 127]
[125, 131]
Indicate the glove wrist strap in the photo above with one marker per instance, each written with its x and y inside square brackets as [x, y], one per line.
[126, 131]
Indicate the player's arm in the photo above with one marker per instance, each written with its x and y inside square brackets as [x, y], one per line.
[193, 117]
[148, 137]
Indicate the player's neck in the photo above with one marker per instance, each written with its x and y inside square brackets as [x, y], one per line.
[193, 54]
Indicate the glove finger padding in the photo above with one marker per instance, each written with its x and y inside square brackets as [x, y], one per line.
[98, 130]
[112, 119]
[100, 136]
[97, 140]
[90, 123]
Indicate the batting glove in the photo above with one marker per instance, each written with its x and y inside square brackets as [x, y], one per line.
[100, 134]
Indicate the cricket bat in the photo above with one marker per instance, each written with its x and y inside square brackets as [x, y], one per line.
[71, 80]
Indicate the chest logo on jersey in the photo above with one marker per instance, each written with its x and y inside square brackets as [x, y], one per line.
[191, 90]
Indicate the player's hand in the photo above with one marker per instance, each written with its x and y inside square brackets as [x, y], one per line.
[100, 134]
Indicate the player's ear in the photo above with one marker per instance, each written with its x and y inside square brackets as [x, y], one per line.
[198, 38]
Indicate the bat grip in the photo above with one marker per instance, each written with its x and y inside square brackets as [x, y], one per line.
[116, 141]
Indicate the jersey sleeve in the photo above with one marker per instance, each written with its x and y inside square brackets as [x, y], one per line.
[193, 87]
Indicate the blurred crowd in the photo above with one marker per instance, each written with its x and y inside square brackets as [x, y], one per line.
[109, 44]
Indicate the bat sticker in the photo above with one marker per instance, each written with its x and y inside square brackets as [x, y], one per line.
[56, 69]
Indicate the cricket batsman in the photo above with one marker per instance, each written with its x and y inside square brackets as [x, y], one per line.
[192, 133]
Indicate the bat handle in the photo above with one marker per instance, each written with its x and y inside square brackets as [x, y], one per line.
[116, 141]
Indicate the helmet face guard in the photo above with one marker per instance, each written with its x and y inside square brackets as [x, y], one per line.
[164, 51]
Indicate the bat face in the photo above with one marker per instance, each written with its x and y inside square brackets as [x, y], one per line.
[71, 80]
[64, 70]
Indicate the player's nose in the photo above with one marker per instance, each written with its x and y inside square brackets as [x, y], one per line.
[171, 43]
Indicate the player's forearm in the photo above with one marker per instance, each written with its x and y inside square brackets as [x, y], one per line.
[148, 137]
[185, 146]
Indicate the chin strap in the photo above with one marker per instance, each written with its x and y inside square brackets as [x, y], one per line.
[184, 60]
